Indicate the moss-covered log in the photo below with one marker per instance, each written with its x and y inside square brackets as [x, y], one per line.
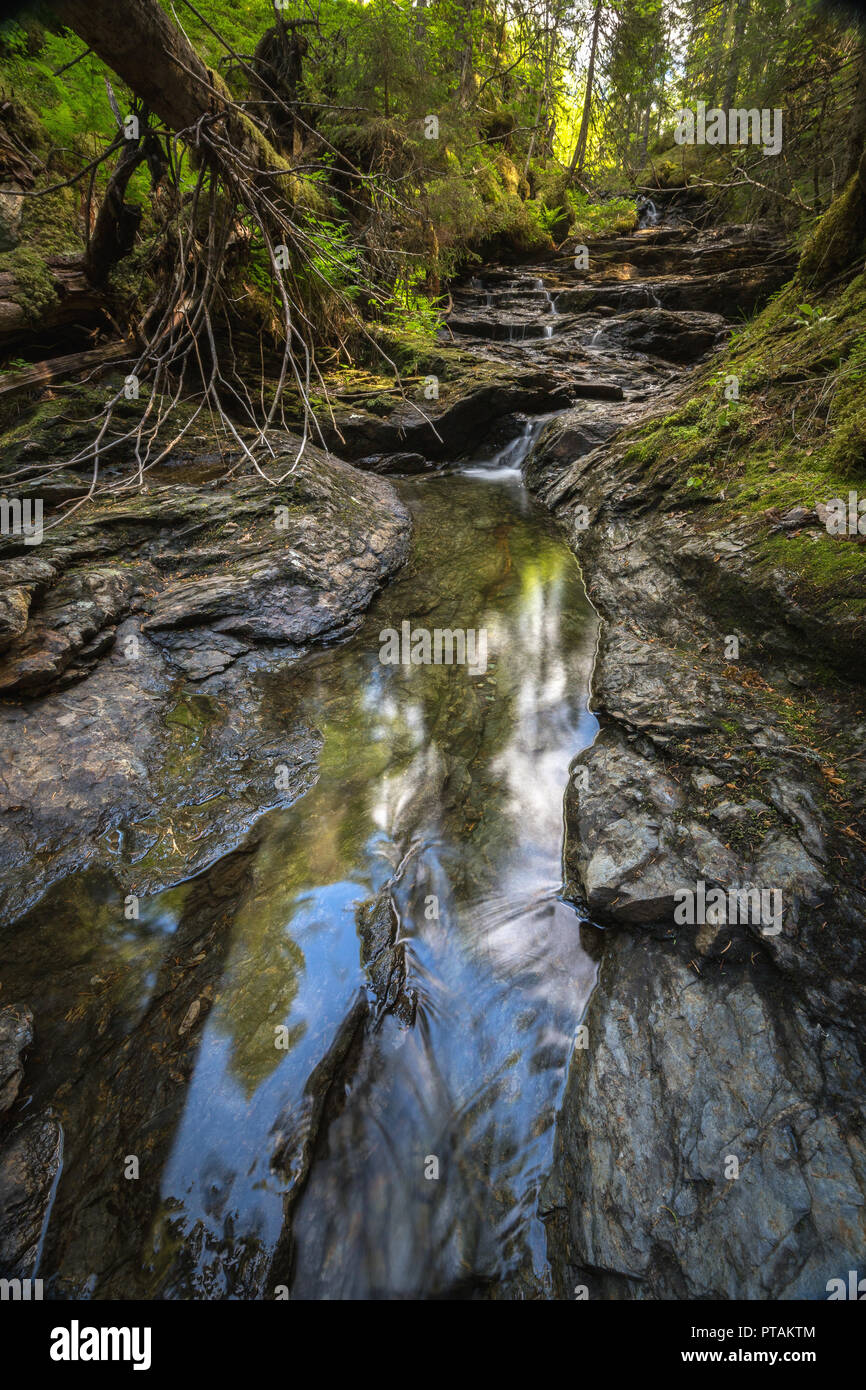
[840, 236]
[141, 44]
[38, 294]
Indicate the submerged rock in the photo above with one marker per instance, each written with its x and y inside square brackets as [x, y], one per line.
[29, 1162]
[29, 1154]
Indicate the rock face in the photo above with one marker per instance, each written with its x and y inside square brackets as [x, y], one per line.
[30, 1154]
[133, 635]
[711, 1140]
[709, 1143]
[680, 337]
[16, 1034]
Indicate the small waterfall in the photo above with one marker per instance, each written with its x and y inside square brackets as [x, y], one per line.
[648, 213]
[507, 462]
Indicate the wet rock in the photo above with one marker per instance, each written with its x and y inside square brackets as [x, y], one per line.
[668, 249]
[726, 294]
[678, 337]
[470, 402]
[709, 1144]
[398, 463]
[669, 551]
[29, 1162]
[16, 1035]
[64, 631]
[126, 1093]
[577, 433]
[151, 617]
[383, 959]
[628, 850]
[300, 1129]
[21, 580]
[722, 1039]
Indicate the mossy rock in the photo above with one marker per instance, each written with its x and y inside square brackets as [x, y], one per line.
[35, 290]
[509, 173]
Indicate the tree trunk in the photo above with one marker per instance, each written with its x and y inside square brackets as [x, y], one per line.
[577, 159]
[856, 139]
[44, 373]
[140, 43]
[549, 39]
[116, 222]
[835, 245]
[645, 132]
[732, 74]
[466, 70]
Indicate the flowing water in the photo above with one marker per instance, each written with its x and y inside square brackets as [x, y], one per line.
[443, 788]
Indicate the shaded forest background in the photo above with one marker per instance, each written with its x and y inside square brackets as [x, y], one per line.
[213, 187]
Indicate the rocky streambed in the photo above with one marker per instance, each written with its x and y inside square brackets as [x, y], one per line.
[303, 992]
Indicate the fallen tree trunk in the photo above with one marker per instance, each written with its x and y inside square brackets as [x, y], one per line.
[44, 373]
[66, 298]
[237, 174]
[141, 44]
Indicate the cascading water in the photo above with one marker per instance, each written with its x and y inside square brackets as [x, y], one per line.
[508, 461]
[648, 213]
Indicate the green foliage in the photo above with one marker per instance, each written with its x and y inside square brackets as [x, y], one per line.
[380, 204]
[809, 317]
[548, 218]
[594, 219]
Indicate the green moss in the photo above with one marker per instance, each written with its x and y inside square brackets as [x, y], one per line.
[796, 437]
[34, 284]
[131, 281]
[839, 236]
[50, 222]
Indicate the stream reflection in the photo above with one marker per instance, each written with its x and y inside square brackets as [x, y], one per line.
[446, 789]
